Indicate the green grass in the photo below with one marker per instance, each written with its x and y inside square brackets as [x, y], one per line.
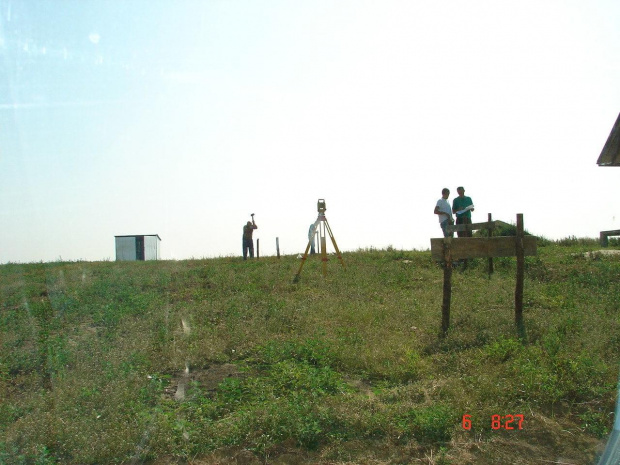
[119, 362]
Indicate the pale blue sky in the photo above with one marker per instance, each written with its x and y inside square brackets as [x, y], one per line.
[182, 118]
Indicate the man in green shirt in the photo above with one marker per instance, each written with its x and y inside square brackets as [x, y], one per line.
[462, 206]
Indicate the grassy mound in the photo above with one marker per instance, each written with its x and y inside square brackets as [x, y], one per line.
[225, 361]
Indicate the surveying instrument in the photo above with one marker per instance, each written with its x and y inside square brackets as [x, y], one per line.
[319, 229]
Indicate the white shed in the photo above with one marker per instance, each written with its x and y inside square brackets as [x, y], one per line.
[137, 247]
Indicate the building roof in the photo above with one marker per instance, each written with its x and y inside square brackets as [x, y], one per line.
[610, 156]
[145, 235]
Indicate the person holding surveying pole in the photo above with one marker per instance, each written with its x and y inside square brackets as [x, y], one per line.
[248, 243]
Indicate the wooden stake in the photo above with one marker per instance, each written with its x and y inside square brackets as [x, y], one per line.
[520, 251]
[490, 235]
[278, 246]
[447, 285]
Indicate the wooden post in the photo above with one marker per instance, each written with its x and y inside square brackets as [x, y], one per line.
[520, 251]
[447, 285]
[605, 235]
[278, 246]
[257, 249]
[604, 240]
[490, 235]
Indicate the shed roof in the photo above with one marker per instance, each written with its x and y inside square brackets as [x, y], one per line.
[610, 156]
[136, 235]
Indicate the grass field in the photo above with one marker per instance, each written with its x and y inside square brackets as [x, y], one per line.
[225, 361]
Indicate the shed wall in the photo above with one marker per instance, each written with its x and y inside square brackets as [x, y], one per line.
[125, 248]
[151, 247]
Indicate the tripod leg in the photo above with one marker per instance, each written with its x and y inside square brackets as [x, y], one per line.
[324, 253]
[329, 230]
[301, 265]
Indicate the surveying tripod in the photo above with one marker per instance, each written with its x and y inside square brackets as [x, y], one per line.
[319, 228]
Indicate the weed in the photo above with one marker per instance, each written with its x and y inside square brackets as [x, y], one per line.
[431, 424]
[313, 351]
[595, 423]
[503, 349]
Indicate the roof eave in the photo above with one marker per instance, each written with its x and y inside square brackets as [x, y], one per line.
[610, 155]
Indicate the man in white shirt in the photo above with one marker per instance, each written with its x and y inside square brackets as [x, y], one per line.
[311, 237]
[444, 211]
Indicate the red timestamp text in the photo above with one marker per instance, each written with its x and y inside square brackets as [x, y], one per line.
[507, 422]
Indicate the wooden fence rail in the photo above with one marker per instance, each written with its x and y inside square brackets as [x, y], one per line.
[482, 247]
[606, 234]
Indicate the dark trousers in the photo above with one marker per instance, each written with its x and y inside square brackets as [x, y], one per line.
[463, 220]
[248, 244]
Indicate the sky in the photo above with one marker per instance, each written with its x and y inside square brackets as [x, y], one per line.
[182, 118]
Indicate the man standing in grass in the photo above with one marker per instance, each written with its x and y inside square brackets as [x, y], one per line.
[311, 237]
[248, 242]
[445, 213]
[462, 206]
